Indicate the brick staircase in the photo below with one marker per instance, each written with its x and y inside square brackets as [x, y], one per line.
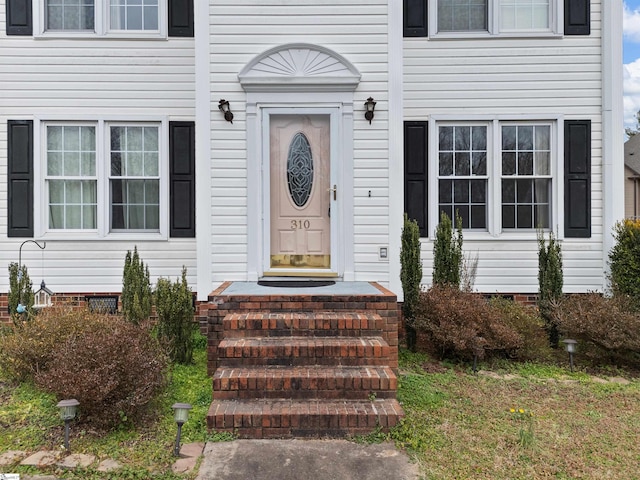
[287, 365]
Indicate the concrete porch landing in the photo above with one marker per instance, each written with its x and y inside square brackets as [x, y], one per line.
[302, 361]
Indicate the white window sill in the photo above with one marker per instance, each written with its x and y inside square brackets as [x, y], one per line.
[73, 35]
[487, 35]
[93, 236]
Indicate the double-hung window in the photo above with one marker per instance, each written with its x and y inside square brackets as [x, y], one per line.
[140, 17]
[103, 178]
[494, 17]
[497, 176]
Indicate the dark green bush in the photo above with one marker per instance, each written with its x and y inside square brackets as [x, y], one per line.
[20, 292]
[529, 325]
[607, 328]
[624, 261]
[410, 276]
[463, 324]
[447, 252]
[550, 282]
[136, 288]
[112, 367]
[176, 326]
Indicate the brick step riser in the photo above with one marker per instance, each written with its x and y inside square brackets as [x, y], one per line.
[302, 361]
[266, 383]
[360, 323]
[316, 351]
[240, 333]
[304, 394]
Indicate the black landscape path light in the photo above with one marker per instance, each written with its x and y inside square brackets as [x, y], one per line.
[570, 346]
[67, 413]
[181, 414]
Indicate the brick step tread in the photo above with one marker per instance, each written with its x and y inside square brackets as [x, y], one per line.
[357, 382]
[297, 350]
[282, 418]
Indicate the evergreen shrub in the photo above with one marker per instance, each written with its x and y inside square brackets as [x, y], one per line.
[410, 276]
[624, 261]
[447, 252]
[136, 289]
[176, 326]
[550, 282]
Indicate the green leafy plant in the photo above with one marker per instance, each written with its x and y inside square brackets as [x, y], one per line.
[410, 276]
[524, 418]
[550, 282]
[624, 261]
[176, 326]
[447, 252]
[20, 293]
[136, 288]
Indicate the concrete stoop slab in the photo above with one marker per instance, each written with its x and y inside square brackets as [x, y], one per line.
[296, 459]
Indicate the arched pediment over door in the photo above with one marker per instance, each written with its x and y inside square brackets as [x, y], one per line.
[299, 67]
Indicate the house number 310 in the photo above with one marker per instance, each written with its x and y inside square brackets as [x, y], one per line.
[300, 224]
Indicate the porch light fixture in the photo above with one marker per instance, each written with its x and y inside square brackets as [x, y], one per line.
[181, 414]
[224, 107]
[370, 106]
[570, 346]
[67, 413]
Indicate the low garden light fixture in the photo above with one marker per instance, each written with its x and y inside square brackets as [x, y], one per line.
[370, 106]
[67, 413]
[181, 414]
[224, 107]
[570, 346]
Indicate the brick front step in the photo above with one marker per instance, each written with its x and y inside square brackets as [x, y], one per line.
[319, 324]
[305, 382]
[294, 351]
[302, 418]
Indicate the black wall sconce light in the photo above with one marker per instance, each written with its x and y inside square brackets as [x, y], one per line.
[370, 106]
[224, 107]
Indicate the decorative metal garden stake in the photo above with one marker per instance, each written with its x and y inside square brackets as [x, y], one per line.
[67, 413]
[181, 414]
[570, 345]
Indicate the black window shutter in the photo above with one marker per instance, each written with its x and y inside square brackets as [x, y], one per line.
[577, 17]
[415, 173]
[19, 17]
[415, 18]
[20, 177]
[180, 18]
[182, 179]
[577, 178]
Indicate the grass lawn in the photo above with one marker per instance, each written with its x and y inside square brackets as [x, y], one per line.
[458, 425]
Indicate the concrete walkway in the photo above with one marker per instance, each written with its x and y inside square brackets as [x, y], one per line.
[304, 459]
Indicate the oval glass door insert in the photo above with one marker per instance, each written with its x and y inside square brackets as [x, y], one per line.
[300, 169]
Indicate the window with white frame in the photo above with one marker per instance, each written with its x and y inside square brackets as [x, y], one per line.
[103, 177]
[462, 173]
[496, 175]
[103, 16]
[526, 176]
[494, 16]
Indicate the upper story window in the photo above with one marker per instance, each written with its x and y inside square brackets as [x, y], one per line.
[488, 18]
[103, 17]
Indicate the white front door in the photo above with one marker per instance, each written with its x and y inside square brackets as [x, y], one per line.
[301, 194]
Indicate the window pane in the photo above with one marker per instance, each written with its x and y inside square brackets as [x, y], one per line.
[462, 138]
[446, 164]
[525, 216]
[478, 216]
[524, 191]
[508, 163]
[461, 191]
[525, 137]
[542, 163]
[479, 163]
[508, 191]
[445, 138]
[134, 14]
[524, 14]
[525, 163]
[54, 163]
[445, 191]
[462, 164]
[462, 15]
[69, 15]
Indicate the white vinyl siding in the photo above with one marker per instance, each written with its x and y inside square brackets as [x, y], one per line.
[357, 31]
[532, 80]
[65, 80]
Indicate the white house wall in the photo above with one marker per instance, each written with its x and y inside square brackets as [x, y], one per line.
[239, 31]
[536, 77]
[89, 79]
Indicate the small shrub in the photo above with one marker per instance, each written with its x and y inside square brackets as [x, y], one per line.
[624, 261]
[28, 348]
[112, 367]
[410, 276]
[174, 305]
[550, 282]
[607, 329]
[20, 292]
[136, 288]
[526, 321]
[463, 324]
[447, 252]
